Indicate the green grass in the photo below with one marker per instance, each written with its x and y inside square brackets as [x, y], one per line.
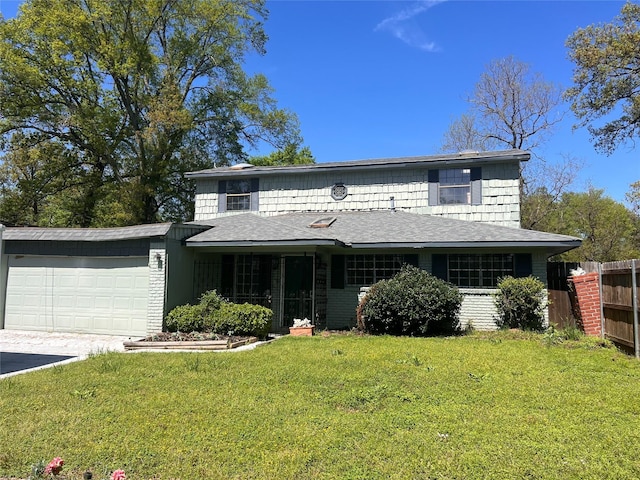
[342, 406]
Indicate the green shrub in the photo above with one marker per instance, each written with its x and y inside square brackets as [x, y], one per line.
[520, 303]
[210, 304]
[242, 319]
[185, 318]
[413, 302]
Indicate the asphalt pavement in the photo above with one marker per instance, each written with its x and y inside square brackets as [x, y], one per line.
[22, 351]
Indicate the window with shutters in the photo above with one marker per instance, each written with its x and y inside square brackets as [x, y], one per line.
[455, 186]
[238, 195]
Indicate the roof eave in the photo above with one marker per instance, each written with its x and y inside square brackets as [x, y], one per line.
[446, 161]
[557, 247]
[263, 243]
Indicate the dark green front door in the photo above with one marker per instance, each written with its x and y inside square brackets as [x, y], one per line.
[298, 289]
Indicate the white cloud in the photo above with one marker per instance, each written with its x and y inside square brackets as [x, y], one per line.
[402, 26]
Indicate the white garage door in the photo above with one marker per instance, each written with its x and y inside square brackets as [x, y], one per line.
[78, 294]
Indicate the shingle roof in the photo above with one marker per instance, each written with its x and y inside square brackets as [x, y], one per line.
[249, 229]
[370, 164]
[87, 234]
[379, 229]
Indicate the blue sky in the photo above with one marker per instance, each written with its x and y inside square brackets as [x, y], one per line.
[375, 79]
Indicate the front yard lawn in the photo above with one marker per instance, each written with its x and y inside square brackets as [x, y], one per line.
[485, 406]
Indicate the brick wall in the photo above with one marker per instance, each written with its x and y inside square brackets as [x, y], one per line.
[587, 290]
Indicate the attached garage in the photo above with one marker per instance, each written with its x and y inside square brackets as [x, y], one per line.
[78, 294]
[112, 281]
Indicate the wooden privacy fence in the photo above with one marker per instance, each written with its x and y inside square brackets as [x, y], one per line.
[619, 300]
[618, 297]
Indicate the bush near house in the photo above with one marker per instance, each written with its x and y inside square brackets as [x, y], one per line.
[413, 302]
[520, 303]
[216, 315]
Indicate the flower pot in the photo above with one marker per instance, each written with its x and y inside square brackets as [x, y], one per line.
[302, 331]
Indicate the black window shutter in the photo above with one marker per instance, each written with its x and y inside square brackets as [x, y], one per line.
[222, 196]
[523, 265]
[255, 194]
[439, 267]
[434, 179]
[337, 271]
[411, 259]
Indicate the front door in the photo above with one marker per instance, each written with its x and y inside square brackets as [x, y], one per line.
[298, 289]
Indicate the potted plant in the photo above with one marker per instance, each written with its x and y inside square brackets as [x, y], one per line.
[301, 328]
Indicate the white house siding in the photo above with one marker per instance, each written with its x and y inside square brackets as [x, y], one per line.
[372, 191]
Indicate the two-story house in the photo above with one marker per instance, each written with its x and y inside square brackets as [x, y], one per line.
[303, 240]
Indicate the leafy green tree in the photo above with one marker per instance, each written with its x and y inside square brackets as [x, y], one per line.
[607, 228]
[606, 78]
[138, 92]
[291, 154]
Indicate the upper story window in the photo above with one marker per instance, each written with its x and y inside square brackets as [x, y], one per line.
[238, 195]
[455, 186]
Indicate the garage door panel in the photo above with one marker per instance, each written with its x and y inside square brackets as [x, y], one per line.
[81, 294]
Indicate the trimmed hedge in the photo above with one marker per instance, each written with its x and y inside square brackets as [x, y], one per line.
[214, 314]
[243, 319]
[413, 302]
[185, 318]
[520, 303]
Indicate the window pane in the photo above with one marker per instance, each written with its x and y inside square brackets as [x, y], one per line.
[470, 270]
[238, 186]
[238, 202]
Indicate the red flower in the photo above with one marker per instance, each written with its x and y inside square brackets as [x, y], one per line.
[118, 475]
[54, 467]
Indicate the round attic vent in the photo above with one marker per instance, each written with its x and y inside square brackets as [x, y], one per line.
[241, 166]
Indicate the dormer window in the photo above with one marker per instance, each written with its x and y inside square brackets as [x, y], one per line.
[238, 195]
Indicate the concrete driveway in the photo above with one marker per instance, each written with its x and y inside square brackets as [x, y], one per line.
[22, 351]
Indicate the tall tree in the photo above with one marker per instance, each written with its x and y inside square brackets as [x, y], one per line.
[513, 107]
[606, 78]
[138, 92]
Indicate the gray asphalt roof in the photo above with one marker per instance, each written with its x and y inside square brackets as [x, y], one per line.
[397, 162]
[377, 229]
[87, 234]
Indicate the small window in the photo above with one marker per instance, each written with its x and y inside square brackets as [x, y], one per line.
[339, 191]
[455, 186]
[238, 195]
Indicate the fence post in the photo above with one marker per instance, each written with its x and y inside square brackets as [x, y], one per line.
[602, 323]
[634, 296]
